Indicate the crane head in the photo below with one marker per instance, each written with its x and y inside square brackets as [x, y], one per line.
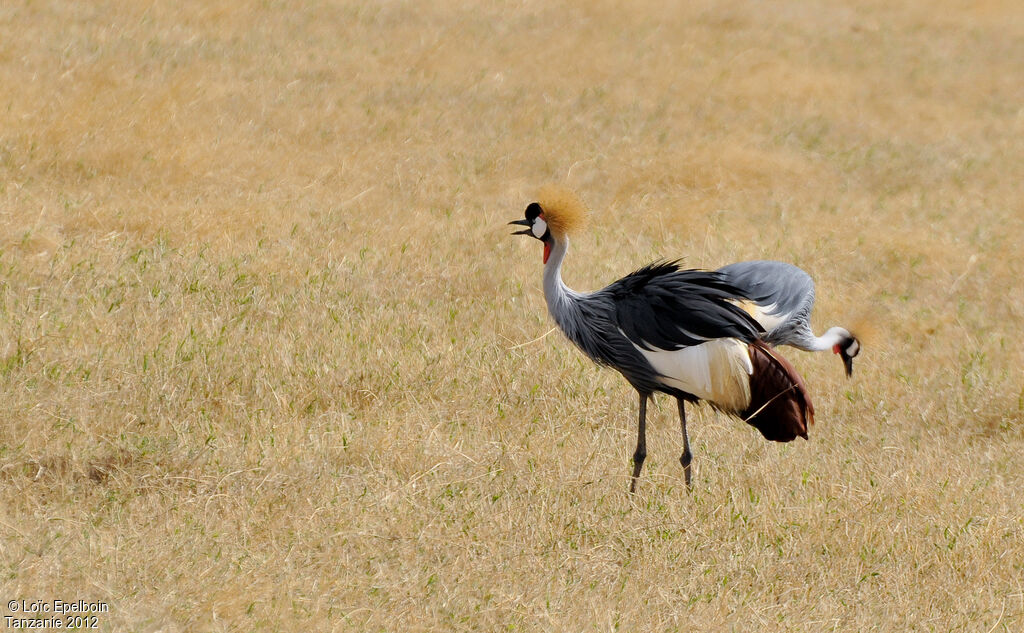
[536, 226]
[848, 347]
[557, 213]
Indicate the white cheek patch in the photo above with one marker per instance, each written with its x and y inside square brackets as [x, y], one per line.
[853, 349]
[539, 228]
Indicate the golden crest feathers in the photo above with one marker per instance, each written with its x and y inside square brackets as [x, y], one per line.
[563, 210]
[864, 328]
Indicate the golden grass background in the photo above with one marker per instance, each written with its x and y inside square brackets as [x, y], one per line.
[261, 361]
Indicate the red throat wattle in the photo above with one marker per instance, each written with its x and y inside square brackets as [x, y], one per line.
[835, 349]
[547, 251]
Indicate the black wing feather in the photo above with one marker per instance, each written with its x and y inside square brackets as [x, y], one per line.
[666, 307]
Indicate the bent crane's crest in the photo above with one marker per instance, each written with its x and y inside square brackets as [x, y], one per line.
[563, 210]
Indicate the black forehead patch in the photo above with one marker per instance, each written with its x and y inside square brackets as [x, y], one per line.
[533, 211]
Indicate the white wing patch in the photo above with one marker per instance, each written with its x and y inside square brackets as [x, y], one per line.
[763, 314]
[767, 319]
[717, 371]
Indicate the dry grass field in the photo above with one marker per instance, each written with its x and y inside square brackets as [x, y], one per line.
[270, 360]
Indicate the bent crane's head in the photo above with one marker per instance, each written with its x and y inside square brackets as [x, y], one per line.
[848, 347]
[557, 212]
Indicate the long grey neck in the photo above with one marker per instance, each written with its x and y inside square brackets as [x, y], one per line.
[587, 319]
[560, 298]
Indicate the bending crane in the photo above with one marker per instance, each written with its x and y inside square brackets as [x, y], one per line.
[781, 297]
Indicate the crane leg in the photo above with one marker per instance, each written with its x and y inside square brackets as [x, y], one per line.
[641, 442]
[687, 456]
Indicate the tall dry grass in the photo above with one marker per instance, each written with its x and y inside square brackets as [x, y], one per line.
[262, 329]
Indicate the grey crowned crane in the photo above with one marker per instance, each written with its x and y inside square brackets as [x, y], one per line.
[672, 331]
[781, 297]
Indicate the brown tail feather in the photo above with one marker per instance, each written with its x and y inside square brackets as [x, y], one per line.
[780, 406]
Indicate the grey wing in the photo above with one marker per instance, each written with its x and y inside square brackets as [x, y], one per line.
[783, 293]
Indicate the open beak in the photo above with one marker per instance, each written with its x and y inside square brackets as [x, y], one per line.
[525, 223]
